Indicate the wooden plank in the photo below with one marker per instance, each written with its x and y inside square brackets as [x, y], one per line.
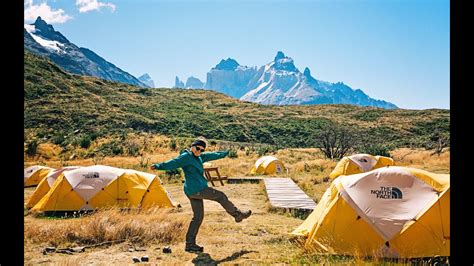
[284, 193]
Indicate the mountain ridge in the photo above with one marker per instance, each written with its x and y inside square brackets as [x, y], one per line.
[42, 39]
[280, 82]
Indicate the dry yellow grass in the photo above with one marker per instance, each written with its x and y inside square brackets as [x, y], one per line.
[423, 159]
[148, 226]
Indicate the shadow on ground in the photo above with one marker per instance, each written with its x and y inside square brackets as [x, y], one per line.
[205, 258]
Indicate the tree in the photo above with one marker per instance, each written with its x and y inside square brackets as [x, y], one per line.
[336, 141]
[438, 142]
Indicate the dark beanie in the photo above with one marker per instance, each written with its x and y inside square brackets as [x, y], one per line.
[199, 142]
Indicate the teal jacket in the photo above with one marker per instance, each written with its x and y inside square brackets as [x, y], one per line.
[192, 167]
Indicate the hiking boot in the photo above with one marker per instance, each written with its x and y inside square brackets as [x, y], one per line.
[242, 215]
[193, 248]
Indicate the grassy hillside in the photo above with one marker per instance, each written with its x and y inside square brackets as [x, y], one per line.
[59, 104]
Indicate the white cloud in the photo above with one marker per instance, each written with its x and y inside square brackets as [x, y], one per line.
[89, 5]
[32, 11]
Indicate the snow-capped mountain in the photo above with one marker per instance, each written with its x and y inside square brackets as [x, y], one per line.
[42, 39]
[280, 82]
[146, 79]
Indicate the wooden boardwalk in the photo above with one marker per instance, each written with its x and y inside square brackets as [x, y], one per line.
[284, 193]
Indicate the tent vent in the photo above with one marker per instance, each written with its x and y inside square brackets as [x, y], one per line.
[358, 217]
[126, 192]
[87, 202]
[147, 190]
[103, 189]
[387, 244]
[72, 189]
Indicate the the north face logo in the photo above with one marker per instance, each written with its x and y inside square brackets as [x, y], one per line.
[387, 193]
[92, 175]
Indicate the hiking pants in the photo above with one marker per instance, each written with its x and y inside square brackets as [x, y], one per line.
[197, 205]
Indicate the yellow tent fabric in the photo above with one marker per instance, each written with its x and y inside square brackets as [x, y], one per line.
[393, 211]
[267, 165]
[359, 163]
[99, 186]
[34, 174]
[45, 185]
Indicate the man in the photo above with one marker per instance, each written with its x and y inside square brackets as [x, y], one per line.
[196, 189]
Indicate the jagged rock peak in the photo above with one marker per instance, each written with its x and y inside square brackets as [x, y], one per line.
[41, 25]
[283, 62]
[145, 76]
[178, 83]
[146, 79]
[279, 55]
[194, 83]
[306, 72]
[227, 64]
[307, 75]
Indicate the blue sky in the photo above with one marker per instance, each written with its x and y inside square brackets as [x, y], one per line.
[396, 51]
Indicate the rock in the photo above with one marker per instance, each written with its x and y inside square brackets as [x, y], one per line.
[144, 258]
[136, 259]
[50, 249]
[140, 249]
[131, 250]
[65, 251]
[78, 249]
[167, 249]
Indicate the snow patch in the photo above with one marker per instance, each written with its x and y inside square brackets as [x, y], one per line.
[30, 28]
[50, 45]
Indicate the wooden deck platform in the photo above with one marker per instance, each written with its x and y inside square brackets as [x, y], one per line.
[284, 193]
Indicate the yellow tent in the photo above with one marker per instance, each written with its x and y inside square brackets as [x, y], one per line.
[34, 174]
[359, 163]
[394, 211]
[92, 187]
[267, 165]
[45, 185]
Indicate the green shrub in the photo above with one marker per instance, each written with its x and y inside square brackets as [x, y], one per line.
[248, 151]
[111, 148]
[32, 148]
[133, 148]
[173, 176]
[85, 142]
[232, 153]
[375, 149]
[263, 150]
[369, 115]
[173, 146]
[58, 139]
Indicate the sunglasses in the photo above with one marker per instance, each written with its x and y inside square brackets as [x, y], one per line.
[199, 149]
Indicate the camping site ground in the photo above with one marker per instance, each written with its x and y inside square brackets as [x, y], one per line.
[262, 239]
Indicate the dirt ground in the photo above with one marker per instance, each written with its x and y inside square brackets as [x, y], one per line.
[261, 239]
